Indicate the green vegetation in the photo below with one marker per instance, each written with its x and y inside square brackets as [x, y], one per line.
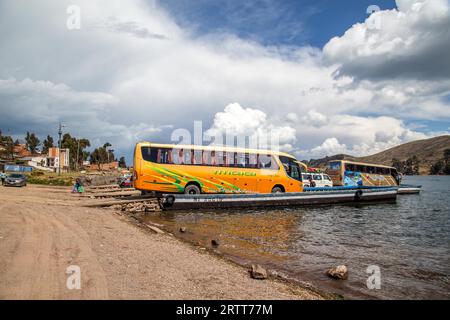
[409, 167]
[103, 154]
[51, 179]
[122, 162]
[32, 142]
[47, 144]
[77, 152]
[7, 147]
[442, 166]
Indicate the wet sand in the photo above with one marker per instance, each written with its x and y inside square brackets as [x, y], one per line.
[44, 230]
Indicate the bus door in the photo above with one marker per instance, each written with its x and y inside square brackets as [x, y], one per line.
[294, 172]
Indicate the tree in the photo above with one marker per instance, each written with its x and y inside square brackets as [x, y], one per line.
[76, 149]
[32, 142]
[415, 165]
[122, 162]
[447, 161]
[447, 155]
[47, 144]
[7, 143]
[397, 164]
[411, 166]
[102, 154]
[437, 168]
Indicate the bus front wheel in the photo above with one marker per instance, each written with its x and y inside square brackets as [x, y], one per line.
[192, 189]
[277, 190]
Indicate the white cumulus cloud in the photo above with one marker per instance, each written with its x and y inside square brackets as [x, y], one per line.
[253, 125]
[131, 73]
[411, 41]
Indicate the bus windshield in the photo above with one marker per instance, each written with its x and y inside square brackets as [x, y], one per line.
[334, 165]
[291, 167]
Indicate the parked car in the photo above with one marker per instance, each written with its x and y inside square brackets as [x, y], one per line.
[16, 180]
[322, 180]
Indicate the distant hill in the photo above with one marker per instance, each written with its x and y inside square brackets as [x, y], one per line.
[428, 151]
[322, 162]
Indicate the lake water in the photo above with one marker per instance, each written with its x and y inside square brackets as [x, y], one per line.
[408, 240]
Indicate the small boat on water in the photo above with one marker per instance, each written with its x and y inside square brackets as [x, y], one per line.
[409, 189]
[310, 196]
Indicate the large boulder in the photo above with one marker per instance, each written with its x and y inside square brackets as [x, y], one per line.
[258, 272]
[339, 273]
[99, 180]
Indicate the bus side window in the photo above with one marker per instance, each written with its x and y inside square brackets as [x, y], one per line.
[197, 159]
[187, 157]
[265, 161]
[221, 158]
[213, 161]
[274, 164]
[206, 158]
[149, 154]
[241, 160]
[177, 156]
[247, 161]
[231, 156]
[253, 160]
[164, 156]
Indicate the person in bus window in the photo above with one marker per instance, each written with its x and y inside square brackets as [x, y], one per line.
[158, 156]
[224, 160]
[169, 157]
[213, 158]
[181, 157]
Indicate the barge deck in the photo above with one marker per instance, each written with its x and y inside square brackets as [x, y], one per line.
[311, 196]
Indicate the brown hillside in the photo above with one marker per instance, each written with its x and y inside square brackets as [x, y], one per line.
[428, 151]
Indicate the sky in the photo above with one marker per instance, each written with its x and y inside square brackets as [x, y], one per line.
[324, 77]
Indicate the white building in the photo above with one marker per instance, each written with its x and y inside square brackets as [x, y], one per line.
[37, 162]
[58, 159]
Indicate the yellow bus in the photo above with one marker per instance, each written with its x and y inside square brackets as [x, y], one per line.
[191, 169]
[350, 173]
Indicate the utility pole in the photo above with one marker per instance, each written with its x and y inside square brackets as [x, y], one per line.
[59, 146]
[78, 154]
[78, 151]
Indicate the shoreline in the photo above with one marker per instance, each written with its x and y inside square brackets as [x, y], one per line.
[43, 232]
[273, 275]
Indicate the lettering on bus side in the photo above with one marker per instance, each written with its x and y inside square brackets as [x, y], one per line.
[234, 173]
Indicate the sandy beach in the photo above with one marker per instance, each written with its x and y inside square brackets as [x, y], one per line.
[44, 230]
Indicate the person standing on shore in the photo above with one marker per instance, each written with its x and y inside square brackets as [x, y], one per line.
[3, 177]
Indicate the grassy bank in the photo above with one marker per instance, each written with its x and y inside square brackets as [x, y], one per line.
[52, 178]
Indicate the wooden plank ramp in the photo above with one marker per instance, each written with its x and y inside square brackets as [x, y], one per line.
[115, 194]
